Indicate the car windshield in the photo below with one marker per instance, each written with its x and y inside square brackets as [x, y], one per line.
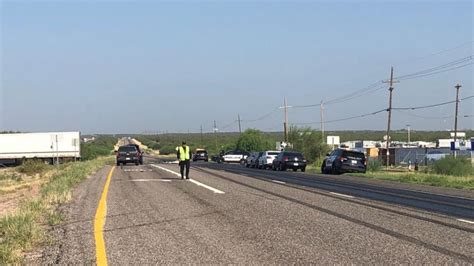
[127, 149]
[354, 155]
[294, 154]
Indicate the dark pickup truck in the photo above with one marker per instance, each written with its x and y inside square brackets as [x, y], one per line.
[140, 153]
[128, 154]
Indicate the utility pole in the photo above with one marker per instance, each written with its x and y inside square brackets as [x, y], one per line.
[240, 129]
[321, 111]
[408, 134]
[456, 116]
[391, 81]
[215, 134]
[456, 113]
[285, 124]
[57, 151]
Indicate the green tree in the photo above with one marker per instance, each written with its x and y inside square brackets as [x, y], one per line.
[307, 141]
[253, 140]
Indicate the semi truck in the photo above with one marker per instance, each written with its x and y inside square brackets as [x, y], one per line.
[50, 147]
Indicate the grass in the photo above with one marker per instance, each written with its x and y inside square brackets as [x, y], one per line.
[420, 177]
[5, 177]
[25, 229]
[464, 182]
[33, 167]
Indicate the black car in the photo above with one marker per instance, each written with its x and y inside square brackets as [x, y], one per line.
[201, 155]
[289, 160]
[128, 154]
[140, 153]
[342, 161]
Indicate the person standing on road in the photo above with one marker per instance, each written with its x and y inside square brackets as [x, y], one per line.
[184, 158]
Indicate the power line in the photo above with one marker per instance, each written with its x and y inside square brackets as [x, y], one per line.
[437, 68]
[262, 117]
[343, 119]
[438, 72]
[453, 65]
[359, 93]
[367, 89]
[376, 86]
[228, 125]
[431, 105]
[424, 117]
[437, 53]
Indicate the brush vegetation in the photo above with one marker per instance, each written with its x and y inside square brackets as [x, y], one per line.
[25, 229]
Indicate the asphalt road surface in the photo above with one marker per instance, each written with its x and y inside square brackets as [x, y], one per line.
[231, 214]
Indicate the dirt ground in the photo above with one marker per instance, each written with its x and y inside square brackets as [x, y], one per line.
[13, 192]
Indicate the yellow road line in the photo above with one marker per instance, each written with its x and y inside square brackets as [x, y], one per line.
[99, 222]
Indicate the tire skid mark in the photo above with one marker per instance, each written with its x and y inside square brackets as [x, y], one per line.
[353, 220]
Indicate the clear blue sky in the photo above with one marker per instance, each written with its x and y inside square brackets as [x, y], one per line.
[116, 67]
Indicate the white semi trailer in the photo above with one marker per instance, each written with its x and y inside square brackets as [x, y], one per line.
[50, 147]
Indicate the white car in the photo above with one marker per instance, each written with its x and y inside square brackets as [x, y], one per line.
[265, 161]
[235, 157]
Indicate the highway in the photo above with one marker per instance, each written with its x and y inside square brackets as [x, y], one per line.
[231, 214]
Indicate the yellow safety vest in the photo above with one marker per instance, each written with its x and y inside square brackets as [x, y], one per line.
[183, 153]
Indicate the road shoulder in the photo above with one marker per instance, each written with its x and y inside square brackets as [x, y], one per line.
[72, 241]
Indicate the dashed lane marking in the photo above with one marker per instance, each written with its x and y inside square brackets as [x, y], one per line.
[342, 195]
[137, 170]
[191, 180]
[279, 182]
[465, 221]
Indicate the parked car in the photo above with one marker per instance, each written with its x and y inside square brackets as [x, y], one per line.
[127, 154]
[289, 160]
[235, 157]
[250, 161]
[140, 153]
[342, 161]
[266, 159]
[256, 163]
[200, 155]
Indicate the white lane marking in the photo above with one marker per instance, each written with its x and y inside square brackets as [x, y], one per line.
[191, 180]
[137, 170]
[342, 195]
[465, 221]
[279, 182]
[206, 186]
[150, 180]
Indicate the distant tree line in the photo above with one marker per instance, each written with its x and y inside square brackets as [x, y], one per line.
[304, 139]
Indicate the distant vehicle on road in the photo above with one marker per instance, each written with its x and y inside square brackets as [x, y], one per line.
[342, 161]
[289, 160]
[251, 159]
[48, 147]
[235, 157]
[200, 155]
[127, 154]
[140, 153]
[266, 160]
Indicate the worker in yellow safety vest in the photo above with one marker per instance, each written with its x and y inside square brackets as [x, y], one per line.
[184, 158]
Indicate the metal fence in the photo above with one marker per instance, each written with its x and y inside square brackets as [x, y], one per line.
[405, 156]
